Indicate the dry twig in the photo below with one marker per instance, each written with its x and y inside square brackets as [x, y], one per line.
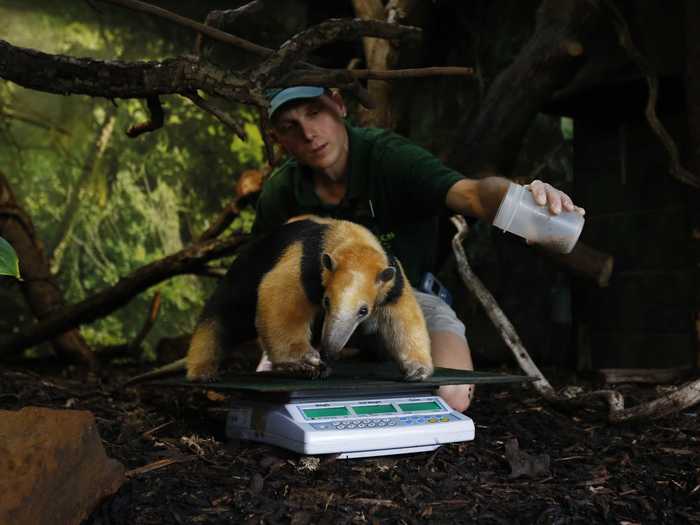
[683, 398]
[220, 114]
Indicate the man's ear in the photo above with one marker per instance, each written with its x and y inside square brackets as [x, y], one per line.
[339, 103]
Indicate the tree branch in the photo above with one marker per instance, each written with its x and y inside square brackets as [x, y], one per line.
[220, 114]
[131, 347]
[683, 398]
[219, 19]
[343, 77]
[498, 318]
[209, 31]
[300, 45]
[34, 121]
[66, 75]
[106, 301]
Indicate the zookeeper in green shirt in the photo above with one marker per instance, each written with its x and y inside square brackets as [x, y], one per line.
[384, 182]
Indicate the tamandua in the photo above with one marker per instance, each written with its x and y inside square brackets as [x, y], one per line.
[281, 282]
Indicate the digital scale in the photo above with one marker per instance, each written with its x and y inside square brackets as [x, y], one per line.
[358, 427]
[360, 410]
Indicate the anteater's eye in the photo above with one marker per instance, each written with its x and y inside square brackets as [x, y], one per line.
[363, 311]
[326, 303]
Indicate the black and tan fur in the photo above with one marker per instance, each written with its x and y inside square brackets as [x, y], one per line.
[283, 281]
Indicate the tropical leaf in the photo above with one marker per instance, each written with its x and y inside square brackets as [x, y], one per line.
[9, 264]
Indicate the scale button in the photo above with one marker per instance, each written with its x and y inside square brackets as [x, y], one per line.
[371, 424]
[351, 426]
[381, 424]
[392, 423]
[444, 419]
[432, 420]
[361, 425]
[340, 427]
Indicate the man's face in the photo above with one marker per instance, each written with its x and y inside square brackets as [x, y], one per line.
[313, 132]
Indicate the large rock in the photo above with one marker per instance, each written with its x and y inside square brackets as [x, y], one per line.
[53, 467]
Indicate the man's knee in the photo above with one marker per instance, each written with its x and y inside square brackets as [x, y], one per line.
[459, 397]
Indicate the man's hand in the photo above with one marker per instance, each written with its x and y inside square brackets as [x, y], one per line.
[547, 195]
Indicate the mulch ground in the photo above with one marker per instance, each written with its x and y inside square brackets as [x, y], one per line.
[182, 470]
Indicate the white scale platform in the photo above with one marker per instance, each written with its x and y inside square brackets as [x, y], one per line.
[363, 426]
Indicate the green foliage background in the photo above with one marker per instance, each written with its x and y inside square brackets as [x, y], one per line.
[146, 197]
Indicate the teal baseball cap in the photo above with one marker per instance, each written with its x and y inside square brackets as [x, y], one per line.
[278, 97]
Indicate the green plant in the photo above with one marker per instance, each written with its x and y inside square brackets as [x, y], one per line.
[9, 264]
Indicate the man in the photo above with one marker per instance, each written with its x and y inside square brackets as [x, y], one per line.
[384, 182]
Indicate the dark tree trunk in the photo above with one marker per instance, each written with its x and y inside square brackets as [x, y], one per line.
[38, 286]
[551, 58]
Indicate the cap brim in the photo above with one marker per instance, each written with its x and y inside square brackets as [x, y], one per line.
[293, 93]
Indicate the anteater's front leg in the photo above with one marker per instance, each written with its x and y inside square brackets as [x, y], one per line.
[284, 319]
[284, 330]
[402, 328]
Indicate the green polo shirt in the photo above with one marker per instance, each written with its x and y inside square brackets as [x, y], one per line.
[395, 188]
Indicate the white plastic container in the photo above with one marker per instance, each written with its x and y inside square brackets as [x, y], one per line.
[521, 215]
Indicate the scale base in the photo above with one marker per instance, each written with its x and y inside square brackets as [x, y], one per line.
[386, 452]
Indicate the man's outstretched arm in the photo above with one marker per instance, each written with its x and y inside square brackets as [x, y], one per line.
[481, 198]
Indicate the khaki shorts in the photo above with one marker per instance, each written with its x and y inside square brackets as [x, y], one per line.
[439, 316]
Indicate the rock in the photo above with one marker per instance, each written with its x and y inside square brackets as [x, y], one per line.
[53, 467]
[524, 464]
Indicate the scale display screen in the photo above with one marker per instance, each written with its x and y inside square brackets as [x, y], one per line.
[417, 407]
[374, 409]
[315, 413]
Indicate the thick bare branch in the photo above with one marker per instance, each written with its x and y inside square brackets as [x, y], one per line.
[297, 48]
[66, 75]
[492, 140]
[342, 77]
[110, 299]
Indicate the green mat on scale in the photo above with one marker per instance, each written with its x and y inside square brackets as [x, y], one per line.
[345, 377]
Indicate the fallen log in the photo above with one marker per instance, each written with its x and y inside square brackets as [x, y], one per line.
[654, 376]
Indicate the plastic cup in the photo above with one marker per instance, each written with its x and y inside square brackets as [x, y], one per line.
[521, 215]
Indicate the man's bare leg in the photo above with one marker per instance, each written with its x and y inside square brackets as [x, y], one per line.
[449, 350]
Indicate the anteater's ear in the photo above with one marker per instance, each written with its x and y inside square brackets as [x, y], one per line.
[386, 275]
[328, 262]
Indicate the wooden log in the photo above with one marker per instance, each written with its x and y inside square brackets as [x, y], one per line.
[587, 262]
[643, 375]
